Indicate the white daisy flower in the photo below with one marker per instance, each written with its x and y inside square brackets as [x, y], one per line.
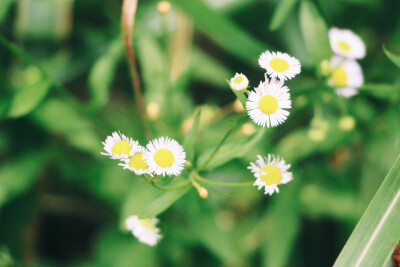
[270, 172]
[280, 65]
[135, 161]
[346, 43]
[239, 82]
[166, 156]
[145, 230]
[118, 146]
[346, 76]
[267, 103]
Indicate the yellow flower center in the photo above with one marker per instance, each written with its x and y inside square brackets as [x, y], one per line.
[137, 162]
[148, 224]
[272, 175]
[121, 147]
[268, 104]
[339, 77]
[279, 65]
[344, 46]
[164, 158]
[238, 79]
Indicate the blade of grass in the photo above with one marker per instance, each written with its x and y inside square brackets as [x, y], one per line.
[378, 231]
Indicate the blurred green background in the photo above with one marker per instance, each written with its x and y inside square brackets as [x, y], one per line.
[65, 86]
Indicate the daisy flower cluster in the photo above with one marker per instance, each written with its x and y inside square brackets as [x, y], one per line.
[162, 156]
[345, 74]
[268, 104]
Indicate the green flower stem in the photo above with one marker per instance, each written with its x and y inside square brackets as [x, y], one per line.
[206, 181]
[63, 92]
[228, 133]
[171, 187]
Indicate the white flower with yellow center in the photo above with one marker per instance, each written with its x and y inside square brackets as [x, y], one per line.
[144, 229]
[267, 103]
[239, 82]
[166, 156]
[280, 65]
[270, 172]
[135, 161]
[346, 43]
[346, 76]
[118, 146]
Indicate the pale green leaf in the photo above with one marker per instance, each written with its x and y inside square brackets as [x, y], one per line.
[281, 13]
[378, 231]
[223, 31]
[315, 32]
[190, 138]
[103, 72]
[17, 175]
[393, 57]
[163, 202]
[28, 98]
[5, 6]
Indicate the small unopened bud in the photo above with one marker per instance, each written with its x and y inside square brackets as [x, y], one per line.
[247, 128]
[238, 106]
[153, 110]
[163, 7]
[325, 68]
[347, 123]
[203, 193]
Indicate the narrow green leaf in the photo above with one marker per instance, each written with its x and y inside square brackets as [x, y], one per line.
[102, 73]
[28, 97]
[5, 6]
[394, 58]
[60, 119]
[231, 151]
[163, 202]
[281, 13]
[315, 33]
[190, 138]
[223, 31]
[16, 176]
[378, 231]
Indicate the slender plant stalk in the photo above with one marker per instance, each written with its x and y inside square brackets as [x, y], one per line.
[127, 23]
[64, 92]
[206, 181]
[228, 133]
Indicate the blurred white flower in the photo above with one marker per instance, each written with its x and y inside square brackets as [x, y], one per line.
[346, 43]
[145, 230]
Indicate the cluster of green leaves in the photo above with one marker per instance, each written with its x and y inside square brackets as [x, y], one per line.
[61, 201]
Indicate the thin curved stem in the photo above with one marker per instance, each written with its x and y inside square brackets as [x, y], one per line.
[228, 133]
[203, 180]
[127, 22]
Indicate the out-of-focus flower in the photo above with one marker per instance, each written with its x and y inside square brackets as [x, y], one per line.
[279, 65]
[346, 76]
[145, 230]
[239, 82]
[267, 104]
[346, 43]
[118, 146]
[270, 172]
[166, 156]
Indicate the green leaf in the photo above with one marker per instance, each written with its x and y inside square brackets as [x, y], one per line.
[163, 202]
[190, 138]
[394, 58]
[102, 73]
[5, 6]
[17, 175]
[281, 13]
[231, 151]
[223, 31]
[61, 119]
[378, 231]
[28, 98]
[315, 33]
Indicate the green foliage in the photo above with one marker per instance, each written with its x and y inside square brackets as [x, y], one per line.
[281, 13]
[394, 58]
[375, 236]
